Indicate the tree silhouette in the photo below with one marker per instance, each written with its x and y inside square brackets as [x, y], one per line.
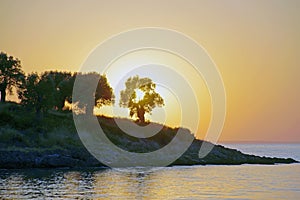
[37, 93]
[47, 91]
[65, 90]
[138, 107]
[103, 94]
[62, 85]
[51, 89]
[11, 74]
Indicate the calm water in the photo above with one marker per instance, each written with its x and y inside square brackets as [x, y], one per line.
[196, 182]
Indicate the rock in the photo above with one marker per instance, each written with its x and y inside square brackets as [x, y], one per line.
[80, 157]
[46, 159]
[222, 155]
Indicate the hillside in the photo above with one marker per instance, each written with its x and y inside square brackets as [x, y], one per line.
[52, 141]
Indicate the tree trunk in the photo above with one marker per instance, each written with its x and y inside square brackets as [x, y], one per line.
[3, 95]
[141, 114]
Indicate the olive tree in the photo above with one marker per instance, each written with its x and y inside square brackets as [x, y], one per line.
[139, 106]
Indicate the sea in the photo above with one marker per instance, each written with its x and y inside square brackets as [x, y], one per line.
[281, 181]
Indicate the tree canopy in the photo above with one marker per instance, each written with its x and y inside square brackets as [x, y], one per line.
[139, 106]
[61, 84]
[50, 90]
[36, 93]
[103, 95]
[11, 74]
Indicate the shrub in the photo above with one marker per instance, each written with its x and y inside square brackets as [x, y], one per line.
[5, 118]
[12, 137]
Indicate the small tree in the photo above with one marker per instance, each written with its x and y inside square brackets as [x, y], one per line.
[11, 74]
[138, 106]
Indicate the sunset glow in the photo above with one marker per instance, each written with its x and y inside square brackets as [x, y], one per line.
[255, 45]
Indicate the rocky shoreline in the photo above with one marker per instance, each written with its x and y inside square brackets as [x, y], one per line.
[53, 142]
[73, 158]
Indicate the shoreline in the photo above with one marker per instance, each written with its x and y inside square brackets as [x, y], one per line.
[53, 142]
[80, 158]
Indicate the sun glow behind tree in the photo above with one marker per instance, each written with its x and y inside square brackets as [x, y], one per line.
[148, 63]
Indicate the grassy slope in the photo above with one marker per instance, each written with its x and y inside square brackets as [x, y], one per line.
[20, 129]
[53, 140]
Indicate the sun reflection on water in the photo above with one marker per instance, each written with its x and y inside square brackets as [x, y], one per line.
[247, 181]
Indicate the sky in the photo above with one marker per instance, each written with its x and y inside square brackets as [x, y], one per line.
[255, 45]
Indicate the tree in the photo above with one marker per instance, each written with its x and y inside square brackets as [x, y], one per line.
[47, 91]
[103, 95]
[37, 93]
[11, 74]
[65, 90]
[138, 106]
[62, 85]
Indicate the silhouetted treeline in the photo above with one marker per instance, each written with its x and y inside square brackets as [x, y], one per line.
[48, 90]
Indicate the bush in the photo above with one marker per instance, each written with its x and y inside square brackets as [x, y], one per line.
[59, 137]
[23, 122]
[12, 137]
[5, 118]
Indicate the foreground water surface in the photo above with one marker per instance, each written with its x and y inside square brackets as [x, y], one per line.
[193, 182]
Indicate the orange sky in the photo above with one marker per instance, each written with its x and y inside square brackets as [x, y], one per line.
[255, 45]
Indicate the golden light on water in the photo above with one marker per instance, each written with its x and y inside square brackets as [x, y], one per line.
[258, 182]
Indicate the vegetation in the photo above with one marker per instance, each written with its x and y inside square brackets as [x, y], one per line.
[20, 129]
[138, 106]
[53, 142]
[103, 94]
[56, 130]
[38, 132]
[51, 89]
[40, 119]
[11, 74]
